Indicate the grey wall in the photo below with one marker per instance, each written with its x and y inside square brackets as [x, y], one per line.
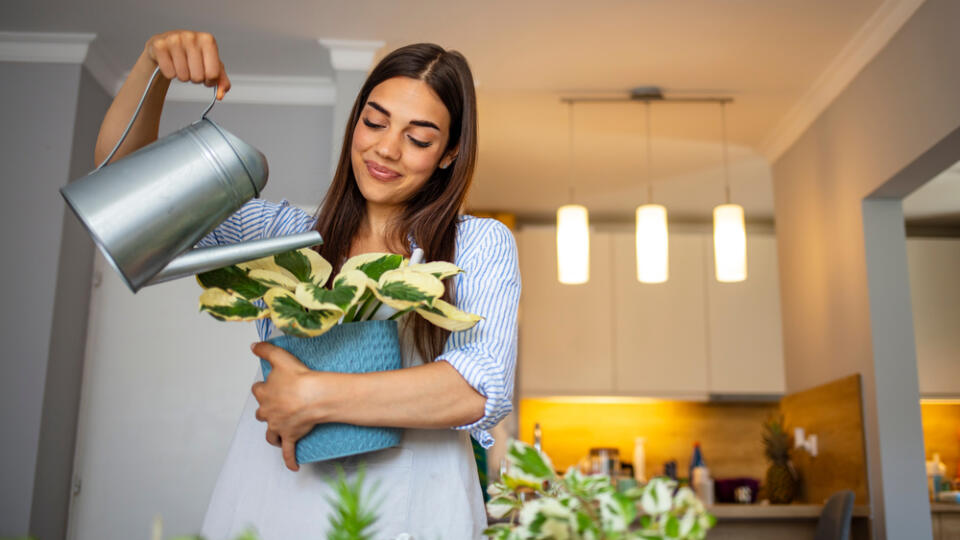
[295, 139]
[903, 104]
[61, 393]
[37, 111]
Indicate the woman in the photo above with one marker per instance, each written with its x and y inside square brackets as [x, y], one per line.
[403, 173]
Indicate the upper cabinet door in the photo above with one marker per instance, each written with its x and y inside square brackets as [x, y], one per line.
[745, 332]
[660, 329]
[934, 266]
[565, 330]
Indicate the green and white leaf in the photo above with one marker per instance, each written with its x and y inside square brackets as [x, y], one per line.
[448, 317]
[528, 466]
[373, 264]
[225, 306]
[233, 279]
[352, 281]
[269, 264]
[272, 279]
[657, 496]
[404, 288]
[306, 265]
[347, 289]
[292, 318]
[438, 269]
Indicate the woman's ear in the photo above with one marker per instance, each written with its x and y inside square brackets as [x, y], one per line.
[448, 158]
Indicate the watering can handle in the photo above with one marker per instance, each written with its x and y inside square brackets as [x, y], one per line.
[136, 113]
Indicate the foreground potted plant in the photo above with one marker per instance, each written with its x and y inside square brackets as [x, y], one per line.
[537, 503]
[340, 328]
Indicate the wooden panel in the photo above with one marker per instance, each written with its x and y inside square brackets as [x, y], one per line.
[745, 334]
[941, 433]
[660, 329]
[934, 265]
[565, 340]
[832, 412]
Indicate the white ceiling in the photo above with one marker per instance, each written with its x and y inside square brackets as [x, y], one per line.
[773, 57]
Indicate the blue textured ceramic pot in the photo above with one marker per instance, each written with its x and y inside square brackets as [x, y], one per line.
[357, 347]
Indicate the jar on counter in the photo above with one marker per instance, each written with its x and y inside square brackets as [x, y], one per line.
[605, 461]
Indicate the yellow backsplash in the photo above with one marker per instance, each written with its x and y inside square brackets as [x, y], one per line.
[729, 434]
[941, 433]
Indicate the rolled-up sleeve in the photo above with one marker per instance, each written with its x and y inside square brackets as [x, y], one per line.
[486, 354]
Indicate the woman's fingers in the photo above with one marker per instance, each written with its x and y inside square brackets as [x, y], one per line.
[190, 57]
[194, 57]
[224, 85]
[290, 454]
[273, 437]
[212, 67]
[160, 52]
[179, 57]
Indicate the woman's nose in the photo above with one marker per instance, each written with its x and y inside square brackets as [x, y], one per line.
[389, 146]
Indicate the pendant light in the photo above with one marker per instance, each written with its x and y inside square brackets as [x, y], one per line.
[729, 232]
[573, 229]
[651, 231]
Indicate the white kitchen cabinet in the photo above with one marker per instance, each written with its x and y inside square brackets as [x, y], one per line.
[687, 338]
[745, 332]
[934, 267]
[660, 343]
[565, 345]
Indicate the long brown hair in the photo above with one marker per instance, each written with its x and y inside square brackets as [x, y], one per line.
[430, 215]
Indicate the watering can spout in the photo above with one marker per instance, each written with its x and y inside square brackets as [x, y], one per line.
[200, 260]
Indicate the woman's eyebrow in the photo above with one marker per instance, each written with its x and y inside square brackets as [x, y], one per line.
[421, 123]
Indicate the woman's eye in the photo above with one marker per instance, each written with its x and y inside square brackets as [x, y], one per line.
[370, 124]
[421, 144]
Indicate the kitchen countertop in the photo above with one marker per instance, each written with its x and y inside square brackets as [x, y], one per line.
[776, 511]
[941, 507]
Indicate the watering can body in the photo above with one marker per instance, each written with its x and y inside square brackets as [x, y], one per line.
[147, 210]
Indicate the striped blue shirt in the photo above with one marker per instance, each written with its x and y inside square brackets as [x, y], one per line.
[484, 355]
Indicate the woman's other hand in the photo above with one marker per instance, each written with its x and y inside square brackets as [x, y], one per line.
[287, 400]
[187, 56]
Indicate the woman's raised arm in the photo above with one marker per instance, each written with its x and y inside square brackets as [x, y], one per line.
[181, 54]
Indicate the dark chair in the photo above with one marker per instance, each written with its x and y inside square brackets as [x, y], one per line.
[834, 523]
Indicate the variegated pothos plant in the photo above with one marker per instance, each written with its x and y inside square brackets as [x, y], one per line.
[534, 502]
[294, 293]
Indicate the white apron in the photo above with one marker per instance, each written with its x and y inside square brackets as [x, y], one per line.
[427, 487]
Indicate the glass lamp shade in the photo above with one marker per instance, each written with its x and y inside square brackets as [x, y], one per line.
[573, 244]
[729, 243]
[652, 248]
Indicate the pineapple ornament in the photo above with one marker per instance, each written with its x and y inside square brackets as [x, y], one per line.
[781, 482]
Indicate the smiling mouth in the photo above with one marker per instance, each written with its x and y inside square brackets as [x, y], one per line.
[380, 172]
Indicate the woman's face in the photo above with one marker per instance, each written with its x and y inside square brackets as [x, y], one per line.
[399, 140]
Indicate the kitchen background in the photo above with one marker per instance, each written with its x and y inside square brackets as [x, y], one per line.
[841, 110]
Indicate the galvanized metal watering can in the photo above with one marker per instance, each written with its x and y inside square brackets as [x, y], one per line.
[147, 210]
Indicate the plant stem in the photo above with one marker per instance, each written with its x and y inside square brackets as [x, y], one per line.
[376, 307]
[358, 316]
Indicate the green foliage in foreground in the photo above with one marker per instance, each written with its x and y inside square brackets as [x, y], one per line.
[539, 504]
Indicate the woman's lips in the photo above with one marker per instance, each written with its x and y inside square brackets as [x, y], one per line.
[380, 172]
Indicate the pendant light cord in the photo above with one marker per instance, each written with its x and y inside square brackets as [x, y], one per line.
[726, 160]
[570, 160]
[649, 153]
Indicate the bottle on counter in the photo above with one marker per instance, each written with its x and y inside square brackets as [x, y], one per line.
[695, 461]
[537, 437]
[639, 461]
[936, 470]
